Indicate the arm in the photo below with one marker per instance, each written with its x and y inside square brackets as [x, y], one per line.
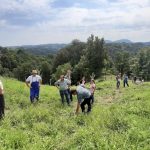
[57, 84]
[28, 84]
[40, 81]
[78, 107]
[78, 103]
[69, 83]
[1, 91]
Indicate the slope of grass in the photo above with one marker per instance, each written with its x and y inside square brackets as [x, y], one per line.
[120, 119]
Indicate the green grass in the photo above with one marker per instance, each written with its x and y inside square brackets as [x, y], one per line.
[120, 119]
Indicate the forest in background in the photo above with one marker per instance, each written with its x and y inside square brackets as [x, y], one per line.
[83, 58]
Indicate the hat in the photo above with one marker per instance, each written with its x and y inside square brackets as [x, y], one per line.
[34, 71]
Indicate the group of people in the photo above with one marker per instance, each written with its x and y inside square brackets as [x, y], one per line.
[84, 95]
[118, 80]
[137, 80]
[34, 81]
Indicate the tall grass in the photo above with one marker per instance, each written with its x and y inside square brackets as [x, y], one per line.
[120, 119]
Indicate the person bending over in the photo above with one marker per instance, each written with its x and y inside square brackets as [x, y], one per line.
[84, 97]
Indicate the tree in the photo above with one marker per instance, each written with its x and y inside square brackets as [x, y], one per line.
[94, 54]
[70, 54]
[122, 61]
[144, 63]
[45, 72]
[62, 70]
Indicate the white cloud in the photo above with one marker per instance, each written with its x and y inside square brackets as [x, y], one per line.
[112, 20]
[24, 5]
[2, 23]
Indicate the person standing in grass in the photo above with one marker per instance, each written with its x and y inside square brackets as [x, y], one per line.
[63, 85]
[2, 101]
[84, 97]
[92, 89]
[118, 79]
[33, 82]
[125, 80]
[68, 76]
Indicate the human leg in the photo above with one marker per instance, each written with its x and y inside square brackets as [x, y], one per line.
[32, 95]
[2, 106]
[62, 96]
[88, 102]
[37, 90]
[92, 98]
[83, 105]
[67, 96]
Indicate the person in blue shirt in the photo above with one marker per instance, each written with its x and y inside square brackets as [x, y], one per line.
[125, 80]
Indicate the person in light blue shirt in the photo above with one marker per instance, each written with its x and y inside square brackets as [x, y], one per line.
[63, 84]
[84, 97]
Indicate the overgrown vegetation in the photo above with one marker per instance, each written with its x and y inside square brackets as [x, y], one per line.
[83, 58]
[120, 119]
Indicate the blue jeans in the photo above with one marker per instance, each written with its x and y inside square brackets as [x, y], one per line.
[125, 82]
[66, 94]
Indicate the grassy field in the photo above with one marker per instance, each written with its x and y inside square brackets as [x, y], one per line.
[120, 119]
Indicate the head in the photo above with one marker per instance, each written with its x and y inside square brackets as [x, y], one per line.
[62, 77]
[34, 72]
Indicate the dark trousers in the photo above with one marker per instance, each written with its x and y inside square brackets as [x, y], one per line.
[125, 83]
[118, 84]
[92, 98]
[66, 94]
[70, 95]
[2, 106]
[88, 102]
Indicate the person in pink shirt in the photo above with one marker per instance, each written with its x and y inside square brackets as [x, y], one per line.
[92, 89]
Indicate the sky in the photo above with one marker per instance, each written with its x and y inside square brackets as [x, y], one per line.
[31, 22]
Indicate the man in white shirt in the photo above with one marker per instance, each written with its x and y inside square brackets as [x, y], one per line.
[2, 102]
[33, 82]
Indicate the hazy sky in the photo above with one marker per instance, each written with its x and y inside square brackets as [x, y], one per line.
[60, 21]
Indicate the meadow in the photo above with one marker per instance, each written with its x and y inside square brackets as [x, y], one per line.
[120, 119]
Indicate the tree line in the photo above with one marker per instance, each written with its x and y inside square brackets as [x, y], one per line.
[82, 58]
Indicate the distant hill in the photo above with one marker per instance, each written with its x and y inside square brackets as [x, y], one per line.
[112, 46]
[132, 48]
[42, 49]
[123, 41]
[119, 41]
